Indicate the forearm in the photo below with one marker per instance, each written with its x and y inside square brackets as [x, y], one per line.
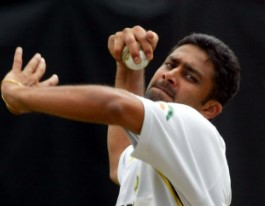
[95, 104]
[62, 101]
[81, 103]
[132, 81]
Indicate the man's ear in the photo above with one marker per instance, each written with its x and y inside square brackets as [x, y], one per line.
[211, 109]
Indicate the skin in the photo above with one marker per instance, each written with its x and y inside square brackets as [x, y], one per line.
[185, 77]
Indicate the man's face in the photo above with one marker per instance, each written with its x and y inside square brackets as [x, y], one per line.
[185, 77]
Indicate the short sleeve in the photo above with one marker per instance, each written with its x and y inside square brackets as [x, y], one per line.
[178, 141]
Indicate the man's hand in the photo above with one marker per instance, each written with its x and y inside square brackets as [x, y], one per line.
[30, 76]
[131, 37]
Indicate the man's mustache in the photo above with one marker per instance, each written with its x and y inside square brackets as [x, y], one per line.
[166, 87]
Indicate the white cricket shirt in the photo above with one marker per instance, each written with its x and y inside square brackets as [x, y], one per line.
[179, 142]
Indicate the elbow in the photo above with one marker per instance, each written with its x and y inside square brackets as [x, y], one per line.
[114, 176]
[126, 111]
[115, 112]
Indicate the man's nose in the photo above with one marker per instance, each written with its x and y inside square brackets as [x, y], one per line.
[172, 76]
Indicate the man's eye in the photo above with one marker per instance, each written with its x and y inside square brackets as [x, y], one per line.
[190, 77]
[169, 65]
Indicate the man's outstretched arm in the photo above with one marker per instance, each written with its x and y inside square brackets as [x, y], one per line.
[23, 91]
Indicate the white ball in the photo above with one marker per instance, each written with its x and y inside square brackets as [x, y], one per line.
[128, 61]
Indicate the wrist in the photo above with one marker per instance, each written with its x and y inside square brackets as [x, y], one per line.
[4, 95]
[12, 81]
[130, 80]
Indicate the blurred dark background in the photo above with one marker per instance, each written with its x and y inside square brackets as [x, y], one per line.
[50, 161]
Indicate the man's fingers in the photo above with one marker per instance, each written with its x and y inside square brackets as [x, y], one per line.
[132, 37]
[133, 45]
[147, 39]
[33, 64]
[116, 44]
[110, 43]
[149, 43]
[52, 81]
[17, 64]
[153, 38]
[40, 69]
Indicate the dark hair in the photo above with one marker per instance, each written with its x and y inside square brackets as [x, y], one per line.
[227, 68]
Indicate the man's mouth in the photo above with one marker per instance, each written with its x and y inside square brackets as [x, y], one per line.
[165, 88]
